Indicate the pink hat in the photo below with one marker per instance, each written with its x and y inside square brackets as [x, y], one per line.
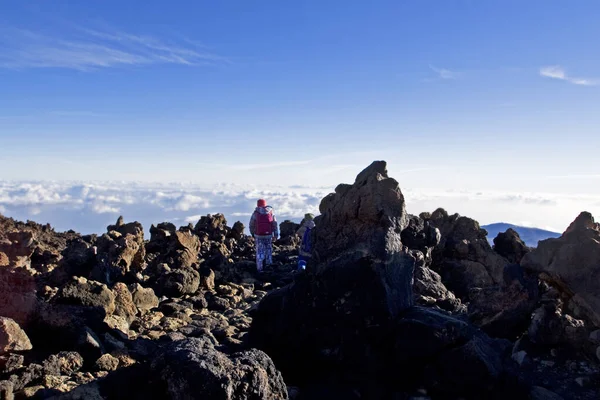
[261, 203]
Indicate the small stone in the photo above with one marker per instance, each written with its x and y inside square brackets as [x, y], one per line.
[63, 363]
[53, 381]
[112, 343]
[117, 322]
[519, 357]
[548, 363]
[595, 336]
[29, 392]
[293, 392]
[582, 381]
[107, 363]
[540, 393]
[144, 298]
[10, 363]
[598, 352]
[6, 390]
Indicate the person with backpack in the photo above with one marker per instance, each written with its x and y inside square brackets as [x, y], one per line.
[263, 226]
[304, 253]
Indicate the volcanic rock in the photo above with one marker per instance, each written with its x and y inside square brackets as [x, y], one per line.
[12, 337]
[510, 246]
[194, 369]
[572, 263]
[464, 258]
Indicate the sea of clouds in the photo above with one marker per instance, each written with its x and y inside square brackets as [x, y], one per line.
[88, 207]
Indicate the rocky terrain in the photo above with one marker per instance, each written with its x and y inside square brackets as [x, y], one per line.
[391, 306]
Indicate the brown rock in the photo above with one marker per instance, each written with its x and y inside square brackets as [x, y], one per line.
[80, 291]
[17, 294]
[12, 337]
[207, 279]
[107, 363]
[4, 261]
[18, 246]
[121, 251]
[124, 305]
[6, 390]
[143, 298]
[10, 363]
[214, 225]
[178, 282]
[63, 363]
[187, 247]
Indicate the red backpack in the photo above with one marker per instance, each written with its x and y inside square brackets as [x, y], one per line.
[264, 224]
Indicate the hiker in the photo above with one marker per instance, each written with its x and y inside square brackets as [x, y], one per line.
[304, 253]
[263, 226]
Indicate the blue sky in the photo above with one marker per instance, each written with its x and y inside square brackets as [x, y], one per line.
[490, 95]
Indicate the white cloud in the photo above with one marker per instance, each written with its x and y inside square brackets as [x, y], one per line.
[88, 49]
[187, 202]
[192, 218]
[90, 207]
[443, 73]
[104, 209]
[558, 72]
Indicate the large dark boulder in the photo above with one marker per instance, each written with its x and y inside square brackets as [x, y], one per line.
[82, 292]
[357, 236]
[237, 230]
[360, 277]
[452, 357]
[509, 245]
[287, 228]
[194, 369]
[78, 259]
[572, 264]
[505, 310]
[350, 321]
[464, 257]
[430, 291]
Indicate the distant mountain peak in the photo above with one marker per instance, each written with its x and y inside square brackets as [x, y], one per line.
[531, 236]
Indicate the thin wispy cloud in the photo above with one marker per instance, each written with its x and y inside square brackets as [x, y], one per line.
[443, 73]
[558, 72]
[87, 49]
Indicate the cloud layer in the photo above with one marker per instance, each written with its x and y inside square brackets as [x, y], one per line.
[90, 207]
[88, 49]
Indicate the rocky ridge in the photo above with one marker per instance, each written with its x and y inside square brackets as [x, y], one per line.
[391, 306]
